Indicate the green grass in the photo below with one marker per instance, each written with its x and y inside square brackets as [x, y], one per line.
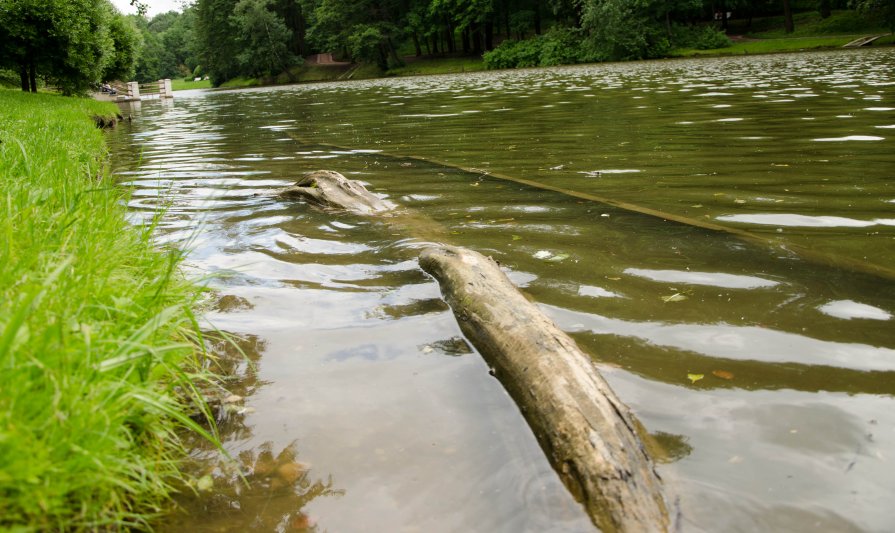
[238, 83]
[96, 332]
[427, 66]
[179, 84]
[314, 73]
[319, 73]
[811, 33]
[768, 46]
[810, 24]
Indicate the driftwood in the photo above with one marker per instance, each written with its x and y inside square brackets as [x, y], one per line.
[328, 189]
[588, 434]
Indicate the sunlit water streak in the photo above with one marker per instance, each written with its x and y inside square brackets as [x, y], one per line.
[363, 374]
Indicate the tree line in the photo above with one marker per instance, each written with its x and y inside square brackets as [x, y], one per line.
[72, 43]
[69, 44]
[258, 37]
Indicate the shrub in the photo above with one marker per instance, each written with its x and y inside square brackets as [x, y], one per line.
[559, 46]
[514, 54]
[698, 37]
[710, 39]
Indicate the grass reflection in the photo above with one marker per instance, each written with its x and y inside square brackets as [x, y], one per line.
[261, 488]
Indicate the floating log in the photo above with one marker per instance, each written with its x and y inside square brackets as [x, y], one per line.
[588, 434]
[774, 242]
[331, 190]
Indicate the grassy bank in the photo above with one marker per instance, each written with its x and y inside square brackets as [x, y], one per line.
[767, 35]
[768, 46]
[185, 85]
[95, 331]
[320, 73]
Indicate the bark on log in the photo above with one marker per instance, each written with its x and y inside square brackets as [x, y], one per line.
[588, 434]
[329, 189]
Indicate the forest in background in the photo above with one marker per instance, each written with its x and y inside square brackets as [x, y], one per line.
[225, 39]
[73, 44]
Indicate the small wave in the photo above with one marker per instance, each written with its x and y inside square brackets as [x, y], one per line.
[713, 279]
[849, 309]
[805, 221]
[850, 138]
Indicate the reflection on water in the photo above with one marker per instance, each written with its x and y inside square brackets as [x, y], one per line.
[261, 491]
[764, 373]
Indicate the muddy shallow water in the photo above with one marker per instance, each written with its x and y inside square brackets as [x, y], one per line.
[763, 357]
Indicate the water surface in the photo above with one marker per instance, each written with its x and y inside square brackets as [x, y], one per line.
[750, 329]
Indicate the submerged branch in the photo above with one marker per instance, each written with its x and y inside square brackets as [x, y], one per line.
[803, 252]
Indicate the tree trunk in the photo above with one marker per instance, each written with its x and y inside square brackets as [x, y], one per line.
[506, 17]
[587, 433]
[416, 44]
[464, 39]
[393, 53]
[449, 37]
[723, 9]
[295, 21]
[382, 56]
[434, 44]
[537, 10]
[787, 17]
[23, 75]
[476, 32]
[32, 77]
[824, 8]
[489, 34]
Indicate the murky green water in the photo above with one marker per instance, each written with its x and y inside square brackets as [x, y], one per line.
[366, 409]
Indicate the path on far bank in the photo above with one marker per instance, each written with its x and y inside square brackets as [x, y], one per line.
[324, 59]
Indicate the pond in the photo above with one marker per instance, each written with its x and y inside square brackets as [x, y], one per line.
[719, 234]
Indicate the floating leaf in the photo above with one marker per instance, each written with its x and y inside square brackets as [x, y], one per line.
[697, 206]
[676, 297]
[723, 374]
[695, 377]
[559, 257]
[205, 483]
[517, 238]
[739, 201]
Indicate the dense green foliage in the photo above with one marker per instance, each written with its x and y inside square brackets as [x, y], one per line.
[883, 10]
[95, 331]
[70, 44]
[170, 44]
[262, 39]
